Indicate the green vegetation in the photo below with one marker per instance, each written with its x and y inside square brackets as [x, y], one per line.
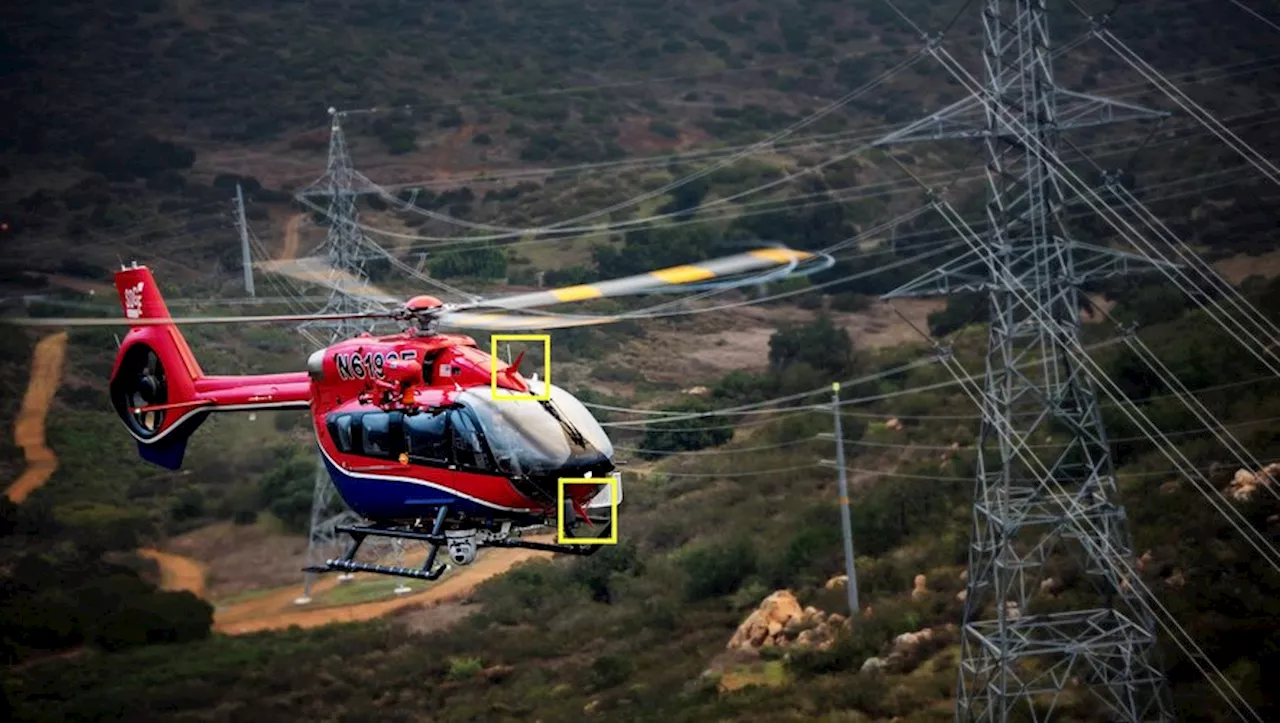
[151, 111]
[58, 592]
[643, 619]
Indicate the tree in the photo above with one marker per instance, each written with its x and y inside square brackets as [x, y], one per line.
[686, 434]
[961, 310]
[820, 344]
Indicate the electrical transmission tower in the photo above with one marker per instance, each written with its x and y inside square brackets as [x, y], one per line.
[344, 251]
[1016, 661]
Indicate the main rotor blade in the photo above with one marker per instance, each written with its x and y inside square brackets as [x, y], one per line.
[515, 322]
[318, 271]
[183, 321]
[673, 276]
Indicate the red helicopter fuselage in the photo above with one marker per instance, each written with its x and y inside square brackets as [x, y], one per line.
[406, 423]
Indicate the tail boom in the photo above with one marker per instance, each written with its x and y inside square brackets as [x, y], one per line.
[158, 389]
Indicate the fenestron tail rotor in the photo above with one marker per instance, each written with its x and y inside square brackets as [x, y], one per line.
[138, 387]
[487, 314]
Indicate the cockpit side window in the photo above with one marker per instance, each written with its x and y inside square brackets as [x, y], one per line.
[427, 438]
[468, 446]
[383, 434]
[340, 429]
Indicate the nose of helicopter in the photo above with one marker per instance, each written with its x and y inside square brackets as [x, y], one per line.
[537, 438]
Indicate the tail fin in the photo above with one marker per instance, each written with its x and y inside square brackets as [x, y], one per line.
[153, 380]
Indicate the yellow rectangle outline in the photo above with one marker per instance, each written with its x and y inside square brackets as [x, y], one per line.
[493, 367]
[612, 539]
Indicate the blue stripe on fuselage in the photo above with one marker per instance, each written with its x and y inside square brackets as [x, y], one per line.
[388, 499]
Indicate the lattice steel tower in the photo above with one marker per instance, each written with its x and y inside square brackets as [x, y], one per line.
[344, 250]
[1017, 661]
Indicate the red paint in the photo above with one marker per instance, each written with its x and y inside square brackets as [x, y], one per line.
[356, 375]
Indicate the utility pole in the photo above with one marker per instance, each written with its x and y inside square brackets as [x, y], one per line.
[246, 257]
[1017, 662]
[846, 521]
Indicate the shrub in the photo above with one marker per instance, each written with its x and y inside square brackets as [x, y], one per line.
[820, 344]
[850, 302]
[687, 434]
[463, 668]
[610, 670]
[717, 569]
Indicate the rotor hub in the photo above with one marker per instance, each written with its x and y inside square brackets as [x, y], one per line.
[423, 303]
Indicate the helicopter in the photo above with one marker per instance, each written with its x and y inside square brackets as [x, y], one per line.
[410, 426]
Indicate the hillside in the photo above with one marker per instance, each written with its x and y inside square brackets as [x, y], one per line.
[137, 119]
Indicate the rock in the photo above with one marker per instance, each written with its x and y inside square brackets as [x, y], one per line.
[806, 637]
[1144, 561]
[895, 424]
[962, 595]
[1176, 580]
[919, 590]
[836, 582]
[781, 606]
[773, 615]
[872, 665]
[1050, 586]
[836, 620]
[964, 575]
[1245, 483]
[497, 673]
[591, 707]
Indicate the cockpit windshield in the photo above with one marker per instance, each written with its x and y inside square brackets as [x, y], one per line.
[536, 437]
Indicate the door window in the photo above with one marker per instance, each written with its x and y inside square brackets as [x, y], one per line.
[468, 446]
[427, 438]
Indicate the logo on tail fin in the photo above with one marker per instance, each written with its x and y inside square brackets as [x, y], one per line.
[133, 301]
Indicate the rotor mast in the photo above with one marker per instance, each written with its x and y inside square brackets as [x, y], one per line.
[1015, 661]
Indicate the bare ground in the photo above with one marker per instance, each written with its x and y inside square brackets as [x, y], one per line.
[1237, 268]
[223, 560]
[177, 572]
[239, 558]
[29, 428]
[277, 610]
[705, 347]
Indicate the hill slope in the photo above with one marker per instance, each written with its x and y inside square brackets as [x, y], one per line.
[137, 119]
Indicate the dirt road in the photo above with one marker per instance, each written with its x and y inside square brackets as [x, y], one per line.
[28, 430]
[291, 231]
[177, 572]
[276, 610]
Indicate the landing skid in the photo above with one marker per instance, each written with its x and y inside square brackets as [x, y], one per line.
[461, 545]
